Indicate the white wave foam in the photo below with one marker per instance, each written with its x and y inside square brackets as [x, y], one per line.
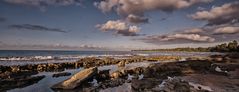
[61, 57]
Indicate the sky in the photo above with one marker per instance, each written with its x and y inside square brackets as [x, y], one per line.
[116, 24]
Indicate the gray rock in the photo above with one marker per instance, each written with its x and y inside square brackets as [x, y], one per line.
[76, 79]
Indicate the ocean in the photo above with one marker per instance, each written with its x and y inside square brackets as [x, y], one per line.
[21, 57]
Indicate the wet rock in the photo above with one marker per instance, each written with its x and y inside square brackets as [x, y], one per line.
[4, 68]
[88, 89]
[173, 85]
[162, 70]
[15, 68]
[137, 70]
[112, 83]
[121, 64]
[76, 79]
[144, 83]
[234, 74]
[116, 74]
[20, 74]
[6, 84]
[61, 74]
[103, 75]
[126, 87]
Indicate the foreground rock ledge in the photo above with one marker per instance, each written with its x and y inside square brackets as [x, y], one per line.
[76, 79]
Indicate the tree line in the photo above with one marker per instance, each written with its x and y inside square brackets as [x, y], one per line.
[225, 47]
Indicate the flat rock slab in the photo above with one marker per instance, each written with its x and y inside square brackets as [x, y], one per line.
[76, 79]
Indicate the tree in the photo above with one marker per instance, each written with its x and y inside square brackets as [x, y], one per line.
[232, 46]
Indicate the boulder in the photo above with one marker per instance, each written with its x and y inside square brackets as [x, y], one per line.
[121, 64]
[116, 74]
[76, 79]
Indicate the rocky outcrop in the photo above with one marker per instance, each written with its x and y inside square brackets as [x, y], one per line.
[84, 62]
[76, 79]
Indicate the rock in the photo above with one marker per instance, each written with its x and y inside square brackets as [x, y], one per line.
[234, 74]
[15, 68]
[126, 87]
[182, 87]
[200, 87]
[103, 75]
[144, 83]
[112, 83]
[173, 85]
[20, 74]
[116, 74]
[6, 84]
[215, 69]
[61, 74]
[76, 79]
[121, 64]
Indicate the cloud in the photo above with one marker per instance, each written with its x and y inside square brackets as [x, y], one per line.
[193, 35]
[44, 3]
[137, 8]
[35, 28]
[52, 46]
[136, 19]
[140, 6]
[119, 27]
[207, 34]
[227, 13]
[226, 30]
[193, 31]
[178, 36]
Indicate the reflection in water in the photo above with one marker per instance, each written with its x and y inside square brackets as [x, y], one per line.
[12, 83]
[45, 84]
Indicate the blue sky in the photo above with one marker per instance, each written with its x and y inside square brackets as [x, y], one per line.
[84, 25]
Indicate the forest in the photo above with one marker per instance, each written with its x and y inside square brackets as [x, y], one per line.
[225, 47]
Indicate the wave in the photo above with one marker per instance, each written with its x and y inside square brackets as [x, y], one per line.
[62, 57]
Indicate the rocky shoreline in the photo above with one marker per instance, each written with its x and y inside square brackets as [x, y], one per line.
[163, 76]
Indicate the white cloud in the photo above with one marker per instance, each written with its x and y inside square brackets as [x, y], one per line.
[113, 25]
[133, 10]
[194, 30]
[140, 6]
[177, 38]
[136, 19]
[119, 27]
[226, 30]
[191, 37]
[226, 13]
